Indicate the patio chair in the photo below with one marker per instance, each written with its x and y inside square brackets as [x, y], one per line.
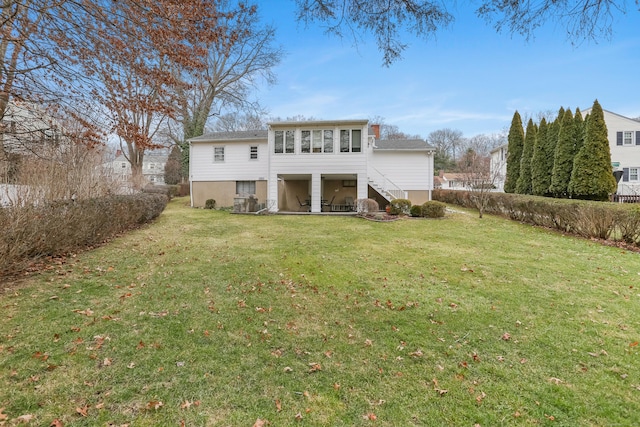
[330, 202]
[302, 204]
[349, 202]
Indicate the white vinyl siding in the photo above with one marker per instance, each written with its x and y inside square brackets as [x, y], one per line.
[236, 166]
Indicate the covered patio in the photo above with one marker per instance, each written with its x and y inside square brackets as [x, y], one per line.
[317, 193]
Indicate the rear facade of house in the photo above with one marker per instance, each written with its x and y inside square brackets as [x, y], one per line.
[315, 166]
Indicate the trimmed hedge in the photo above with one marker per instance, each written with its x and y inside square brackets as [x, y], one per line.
[32, 232]
[601, 220]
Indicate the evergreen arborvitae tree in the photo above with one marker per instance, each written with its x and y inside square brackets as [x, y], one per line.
[541, 162]
[563, 157]
[523, 186]
[514, 153]
[579, 129]
[592, 176]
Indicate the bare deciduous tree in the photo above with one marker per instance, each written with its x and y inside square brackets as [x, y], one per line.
[387, 20]
[480, 177]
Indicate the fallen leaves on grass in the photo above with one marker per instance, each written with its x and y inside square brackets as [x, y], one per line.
[155, 404]
[441, 392]
[86, 312]
[83, 410]
[314, 367]
[187, 404]
[56, 423]
[260, 423]
[25, 418]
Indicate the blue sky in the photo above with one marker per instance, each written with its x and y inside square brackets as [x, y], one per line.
[468, 78]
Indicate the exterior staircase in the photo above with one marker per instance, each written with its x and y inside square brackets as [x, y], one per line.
[384, 186]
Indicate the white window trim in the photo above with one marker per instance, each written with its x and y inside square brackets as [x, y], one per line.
[253, 149]
[624, 138]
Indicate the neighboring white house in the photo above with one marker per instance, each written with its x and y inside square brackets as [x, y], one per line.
[498, 166]
[26, 129]
[460, 181]
[624, 143]
[311, 165]
[152, 167]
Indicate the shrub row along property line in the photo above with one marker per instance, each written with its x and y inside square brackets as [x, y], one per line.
[601, 220]
[35, 231]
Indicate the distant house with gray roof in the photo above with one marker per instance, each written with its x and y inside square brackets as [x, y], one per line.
[316, 166]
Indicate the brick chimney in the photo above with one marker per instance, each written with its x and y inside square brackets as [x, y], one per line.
[376, 131]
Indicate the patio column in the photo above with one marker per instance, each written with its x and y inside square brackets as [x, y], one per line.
[316, 192]
[363, 186]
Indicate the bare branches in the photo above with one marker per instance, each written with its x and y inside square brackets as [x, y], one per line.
[386, 20]
[582, 19]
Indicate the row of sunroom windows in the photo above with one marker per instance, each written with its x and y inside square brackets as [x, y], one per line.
[318, 141]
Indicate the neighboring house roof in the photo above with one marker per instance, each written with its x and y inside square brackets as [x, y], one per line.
[495, 150]
[243, 135]
[402, 145]
[588, 111]
[453, 176]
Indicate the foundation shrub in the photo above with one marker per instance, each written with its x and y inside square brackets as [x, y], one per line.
[210, 204]
[433, 209]
[400, 207]
[416, 211]
[31, 232]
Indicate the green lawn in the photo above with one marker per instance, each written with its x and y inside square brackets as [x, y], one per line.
[205, 318]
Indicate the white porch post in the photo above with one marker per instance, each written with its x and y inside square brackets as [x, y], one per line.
[363, 186]
[316, 192]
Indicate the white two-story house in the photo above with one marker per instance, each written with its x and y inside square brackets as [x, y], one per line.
[624, 142]
[314, 166]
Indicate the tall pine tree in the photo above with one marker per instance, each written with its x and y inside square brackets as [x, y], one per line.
[523, 186]
[514, 153]
[563, 157]
[541, 162]
[592, 176]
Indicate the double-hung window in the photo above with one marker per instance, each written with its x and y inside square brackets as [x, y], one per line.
[633, 174]
[218, 154]
[628, 138]
[350, 141]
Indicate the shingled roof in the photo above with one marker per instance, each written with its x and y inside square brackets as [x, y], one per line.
[243, 135]
[402, 145]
